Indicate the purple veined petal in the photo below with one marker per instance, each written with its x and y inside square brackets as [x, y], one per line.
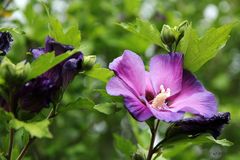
[116, 87]
[48, 44]
[58, 48]
[166, 70]
[165, 115]
[149, 93]
[71, 67]
[130, 68]
[137, 109]
[193, 98]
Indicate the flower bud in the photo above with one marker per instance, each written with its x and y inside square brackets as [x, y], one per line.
[88, 62]
[181, 29]
[167, 35]
[13, 75]
[182, 26]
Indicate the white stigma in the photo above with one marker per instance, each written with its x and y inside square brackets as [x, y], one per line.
[159, 100]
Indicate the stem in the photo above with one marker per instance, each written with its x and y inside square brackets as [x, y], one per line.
[11, 108]
[11, 136]
[151, 147]
[25, 149]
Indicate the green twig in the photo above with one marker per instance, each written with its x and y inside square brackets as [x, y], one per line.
[151, 147]
[11, 140]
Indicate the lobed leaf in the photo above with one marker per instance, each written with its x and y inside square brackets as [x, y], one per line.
[199, 50]
[108, 108]
[71, 37]
[46, 62]
[80, 103]
[125, 146]
[145, 30]
[36, 129]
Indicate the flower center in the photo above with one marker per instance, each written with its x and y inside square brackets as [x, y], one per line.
[159, 100]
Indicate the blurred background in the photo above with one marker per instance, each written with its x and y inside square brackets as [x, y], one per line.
[84, 135]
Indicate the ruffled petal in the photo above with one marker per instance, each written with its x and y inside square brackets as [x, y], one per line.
[194, 98]
[165, 115]
[130, 68]
[166, 69]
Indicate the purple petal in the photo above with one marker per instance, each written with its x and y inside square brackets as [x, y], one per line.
[116, 87]
[5, 42]
[71, 67]
[194, 98]
[137, 109]
[37, 52]
[58, 48]
[166, 69]
[130, 68]
[149, 93]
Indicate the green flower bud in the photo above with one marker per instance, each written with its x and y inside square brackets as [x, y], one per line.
[182, 26]
[11, 75]
[167, 35]
[88, 62]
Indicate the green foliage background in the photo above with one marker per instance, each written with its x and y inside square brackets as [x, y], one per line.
[83, 133]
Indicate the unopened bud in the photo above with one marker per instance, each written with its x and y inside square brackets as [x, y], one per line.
[88, 62]
[13, 75]
[167, 35]
[181, 27]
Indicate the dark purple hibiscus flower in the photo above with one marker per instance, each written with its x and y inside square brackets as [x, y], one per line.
[198, 125]
[166, 92]
[5, 42]
[64, 72]
[41, 91]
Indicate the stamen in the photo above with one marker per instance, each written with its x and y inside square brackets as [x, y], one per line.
[159, 100]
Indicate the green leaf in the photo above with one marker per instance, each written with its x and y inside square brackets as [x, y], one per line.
[97, 72]
[145, 30]
[12, 30]
[173, 149]
[132, 7]
[46, 62]
[71, 37]
[36, 129]
[4, 119]
[80, 103]
[125, 146]
[222, 142]
[108, 108]
[200, 50]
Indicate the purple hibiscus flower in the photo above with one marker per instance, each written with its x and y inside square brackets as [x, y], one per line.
[165, 92]
[64, 72]
[42, 91]
[5, 42]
